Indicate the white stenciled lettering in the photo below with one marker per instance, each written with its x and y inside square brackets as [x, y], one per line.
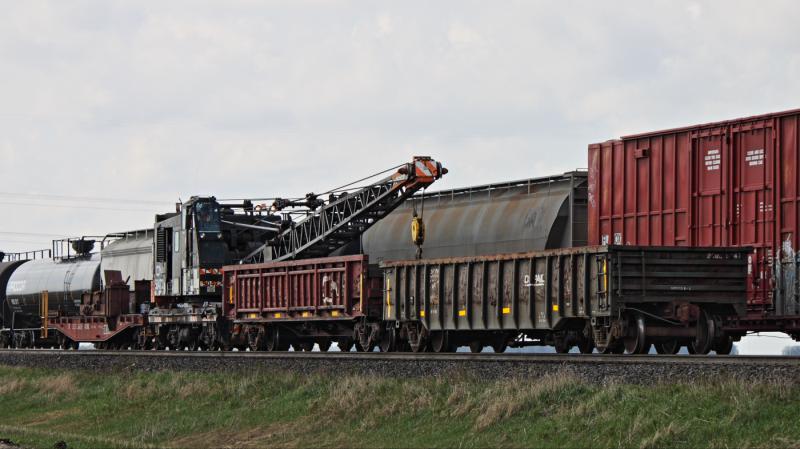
[712, 160]
[16, 286]
[754, 157]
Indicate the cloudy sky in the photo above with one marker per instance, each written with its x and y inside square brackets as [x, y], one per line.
[148, 102]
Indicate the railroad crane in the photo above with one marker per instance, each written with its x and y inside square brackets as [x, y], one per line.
[203, 235]
[347, 216]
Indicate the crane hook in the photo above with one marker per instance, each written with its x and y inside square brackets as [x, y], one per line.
[418, 227]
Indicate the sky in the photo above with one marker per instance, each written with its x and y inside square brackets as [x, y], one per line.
[113, 110]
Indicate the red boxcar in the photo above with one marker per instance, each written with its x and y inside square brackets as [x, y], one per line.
[731, 183]
[326, 288]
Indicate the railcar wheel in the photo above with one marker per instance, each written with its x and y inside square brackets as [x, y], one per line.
[345, 344]
[561, 346]
[476, 346]
[706, 331]
[500, 346]
[306, 346]
[324, 345]
[615, 347]
[440, 342]
[668, 347]
[417, 338]
[62, 341]
[255, 340]
[586, 345]
[637, 342]
[271, 339]
[388, 337]
[724, 347]
[361, 348]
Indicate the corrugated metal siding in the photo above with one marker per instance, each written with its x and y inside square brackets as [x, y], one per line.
[518, 216]
[328, 287]
[542, 290]
[732, 183]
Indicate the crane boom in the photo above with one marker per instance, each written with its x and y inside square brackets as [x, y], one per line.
[348, 216]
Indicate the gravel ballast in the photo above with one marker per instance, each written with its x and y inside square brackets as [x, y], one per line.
[595, 369]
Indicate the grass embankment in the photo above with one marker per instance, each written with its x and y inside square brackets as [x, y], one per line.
[269, 409]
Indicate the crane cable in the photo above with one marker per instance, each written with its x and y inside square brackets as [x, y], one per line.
[418, 225]
[343, 188]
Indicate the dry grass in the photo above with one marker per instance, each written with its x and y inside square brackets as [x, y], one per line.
[95, 441]
[195, 387]
[59, 386]
[284, 435]
[505, 399]
[276, 409]
[12, 386]
[501, 400]
[662, 436]
[137, 390]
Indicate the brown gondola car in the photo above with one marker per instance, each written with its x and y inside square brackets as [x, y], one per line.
[615, 297]
[299, 303]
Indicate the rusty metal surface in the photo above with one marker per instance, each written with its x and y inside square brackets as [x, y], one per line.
[94, 328]
[729, 183]
[325, 288]
[520, 216]
[543, 290]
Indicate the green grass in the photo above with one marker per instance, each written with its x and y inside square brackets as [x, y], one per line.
[280, 409]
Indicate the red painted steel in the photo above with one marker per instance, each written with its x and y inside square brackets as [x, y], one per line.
[731, 183]
[92, 328]
[313, 288]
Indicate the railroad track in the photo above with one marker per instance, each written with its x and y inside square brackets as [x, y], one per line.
[589, 368]
[428, 357]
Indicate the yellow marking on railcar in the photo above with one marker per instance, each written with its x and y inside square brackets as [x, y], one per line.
[306, 314]
[360, 293]
[388, 297]
[462, 313]
[277, 315]
[44, 306]
[506, 310]
[422, 313]
[555, 307]
[335, 313]
[252, 315]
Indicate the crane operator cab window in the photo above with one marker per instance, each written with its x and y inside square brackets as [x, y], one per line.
[207, 217]
[211, 247]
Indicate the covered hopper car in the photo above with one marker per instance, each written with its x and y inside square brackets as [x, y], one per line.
[518, 216]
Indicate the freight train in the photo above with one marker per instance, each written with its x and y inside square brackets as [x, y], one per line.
[501, 265]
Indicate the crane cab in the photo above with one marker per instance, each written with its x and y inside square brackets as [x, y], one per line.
[189, 251]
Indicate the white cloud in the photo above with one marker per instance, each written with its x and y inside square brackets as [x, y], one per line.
[461, 34]
[695, 10]
[160, 100]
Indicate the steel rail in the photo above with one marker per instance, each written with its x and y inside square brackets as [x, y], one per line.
[430, 357]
